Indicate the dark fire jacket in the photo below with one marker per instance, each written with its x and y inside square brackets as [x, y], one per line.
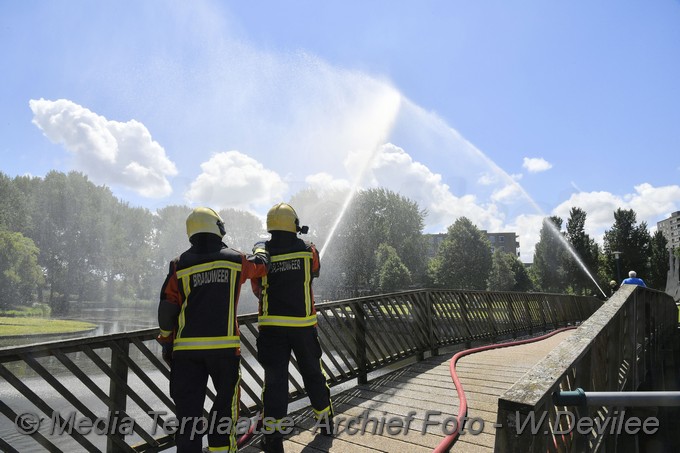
[200, 296]
[285, 293]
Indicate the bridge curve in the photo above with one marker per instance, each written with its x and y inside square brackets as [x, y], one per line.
[413, 409]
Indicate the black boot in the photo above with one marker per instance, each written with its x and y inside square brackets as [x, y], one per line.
[272, 444]
[326, 426]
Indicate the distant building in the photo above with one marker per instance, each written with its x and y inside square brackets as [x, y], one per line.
[433, 243]
[670, 228]
[507, 242]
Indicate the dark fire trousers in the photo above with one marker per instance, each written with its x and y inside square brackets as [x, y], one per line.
[274, 345]
[188, 385]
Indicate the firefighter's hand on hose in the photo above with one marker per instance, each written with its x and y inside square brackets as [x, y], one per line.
[259, 247]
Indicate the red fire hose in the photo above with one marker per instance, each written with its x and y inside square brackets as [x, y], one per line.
[254, 425]
[448, 441]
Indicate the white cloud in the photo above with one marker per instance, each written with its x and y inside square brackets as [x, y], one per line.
[528, 227]
[508, 189]
[599, 207]
[510, 192]
[649, 201]
[109, 152]
[234, 180]
[487, 179]
[323, 183]
[650, 204]
[536, 164]
[395, 169]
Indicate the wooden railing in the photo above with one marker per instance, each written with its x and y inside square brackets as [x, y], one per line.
[118, 384]
[618, 349]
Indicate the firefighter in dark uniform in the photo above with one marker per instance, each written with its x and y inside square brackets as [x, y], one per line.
[199, 330]
[287, 322]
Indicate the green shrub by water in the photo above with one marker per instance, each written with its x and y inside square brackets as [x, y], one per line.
[37, 310]
[12, 326]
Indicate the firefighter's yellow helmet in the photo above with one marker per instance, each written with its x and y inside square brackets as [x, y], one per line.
[282, 217]
[205, 220]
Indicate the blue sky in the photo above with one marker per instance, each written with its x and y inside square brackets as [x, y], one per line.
[500, 111]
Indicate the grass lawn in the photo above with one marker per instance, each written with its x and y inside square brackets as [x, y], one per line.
[34, 326]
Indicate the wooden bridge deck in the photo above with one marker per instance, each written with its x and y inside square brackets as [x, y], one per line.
[381, 407]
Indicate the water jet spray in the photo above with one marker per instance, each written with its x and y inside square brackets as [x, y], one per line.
[553, 229]
[524, 193]
[348, 199]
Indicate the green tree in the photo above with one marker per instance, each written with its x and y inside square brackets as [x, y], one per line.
[586, 251]
[659, 262]
[66, 227]
[501, 277]
[19, 270]
[243, 229]
[93, 246]
[127, 268]
[463, 260]
[375, 216]
[14, 214]
[393, 275]
[632, 240]
[523, 282]
[320, 212]
[78, 226]
[548, 267]
[169, 237]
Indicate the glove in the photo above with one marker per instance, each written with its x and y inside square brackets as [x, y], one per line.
[259, 247]
[166, 347]
[167, 354]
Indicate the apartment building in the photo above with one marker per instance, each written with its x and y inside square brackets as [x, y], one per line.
[670, 228]
[507, 242]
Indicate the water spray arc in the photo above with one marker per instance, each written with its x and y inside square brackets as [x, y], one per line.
[385, 111]
[551, 227]
[409, 114]
[560, 237]
[348, 199]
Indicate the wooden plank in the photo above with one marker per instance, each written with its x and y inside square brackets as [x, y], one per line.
[419, 388]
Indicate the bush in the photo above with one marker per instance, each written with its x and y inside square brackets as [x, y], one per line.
[37, 310]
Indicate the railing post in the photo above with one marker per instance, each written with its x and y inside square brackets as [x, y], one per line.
[466, 321]
[360, 336]
[420, 326]
[527, 310]
[434, 349]
[422, 315]
[491, 321]
[117, 394]
[544, 310]
[511, 315]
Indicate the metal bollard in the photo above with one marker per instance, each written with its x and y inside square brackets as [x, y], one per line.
[579, 397]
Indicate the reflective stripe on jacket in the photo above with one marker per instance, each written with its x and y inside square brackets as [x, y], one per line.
[286, 296]
[205, 285]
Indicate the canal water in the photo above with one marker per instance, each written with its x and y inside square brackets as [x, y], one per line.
[119, 319]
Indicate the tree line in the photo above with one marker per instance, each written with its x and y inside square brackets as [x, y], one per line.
[65, 240]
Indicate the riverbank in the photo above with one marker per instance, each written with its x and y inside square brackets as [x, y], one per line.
[21, 327]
